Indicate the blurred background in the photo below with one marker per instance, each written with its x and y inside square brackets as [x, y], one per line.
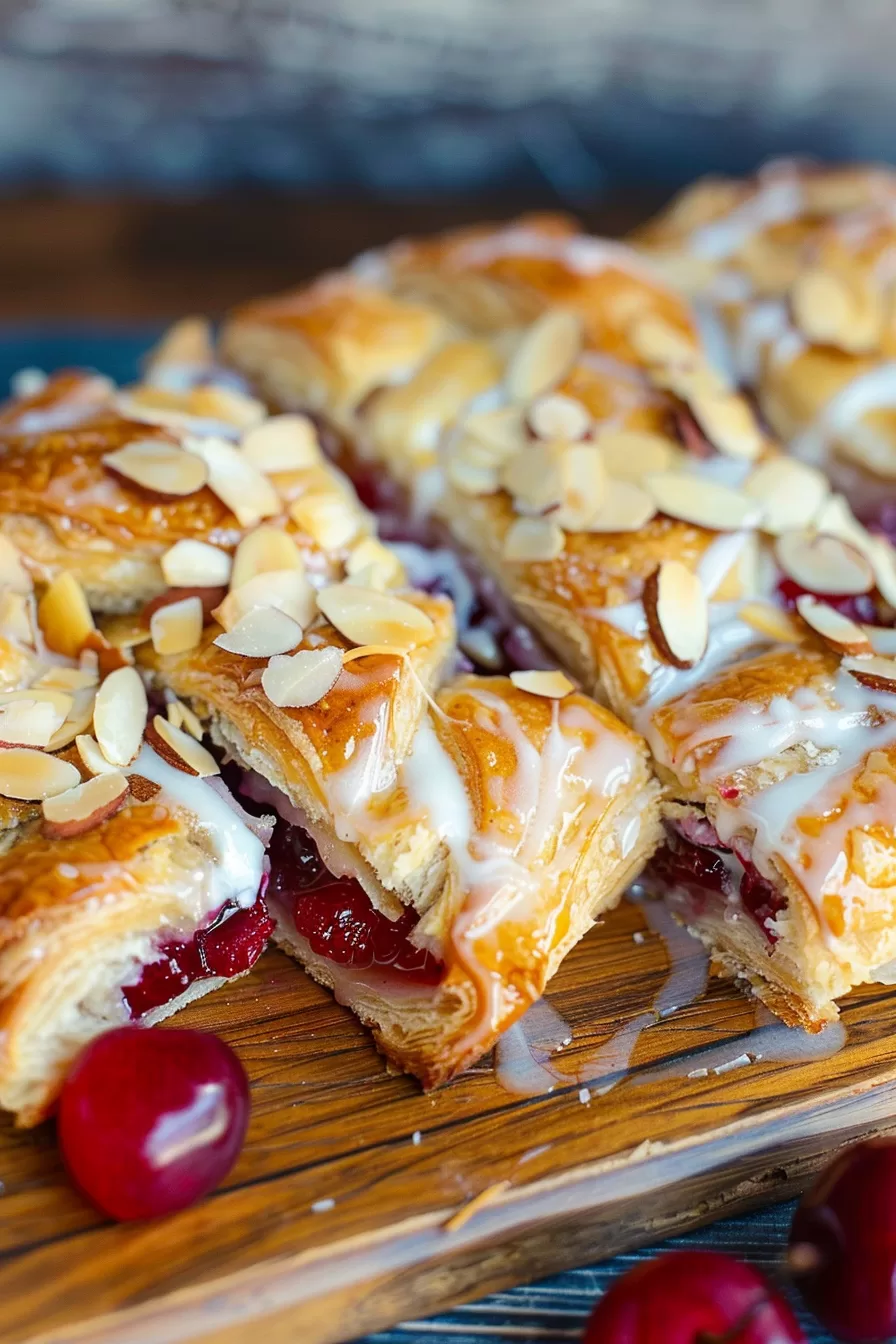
[260, 139]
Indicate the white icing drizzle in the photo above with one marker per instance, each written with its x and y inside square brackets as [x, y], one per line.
[778, 197]
[587, 256]
[872, 390]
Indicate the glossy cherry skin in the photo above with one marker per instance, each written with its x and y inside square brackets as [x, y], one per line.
[843, 1244]
[692, 1297]
[151, 1120]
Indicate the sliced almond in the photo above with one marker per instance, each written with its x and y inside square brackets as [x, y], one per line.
[119, 716]
[31, 775]
[64, 616]
[883, 559]
[77, 720]
[703, 503]
[790, 492]
[532, 539]
[877, 673]
[286, 589]
[656, 342]
[13, 573]
[186, 344]
[241, 487]
[373, 565]
[29, 718]
[302, 679]
[630, 454]
[836, 519]
[677, 613]
[552, 685]
[67, 679]
[212, 401]
[772, 622]
[729, 424]
[626, 508]
[262, 550]
[833, 309]
[93, 758]
[326, 517]
[557, 416]
[261, 633]
[16, 617]
[282, 443]
[824, 565]
[545, 354]
[536, 478]
[837, 631]
[367, 616]
[471, 478]
[502, 431]
[177, 628]
[371, 651]
[584, 487]
[180, 749]
[160, 467]
[195, 564]
[182, 716]
[86, 805]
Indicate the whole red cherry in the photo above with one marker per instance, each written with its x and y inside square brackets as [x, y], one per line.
[151, 1120]
[692, 1297]
[843, 1244]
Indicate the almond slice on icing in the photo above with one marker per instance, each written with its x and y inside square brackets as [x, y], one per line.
[836, 519]
[545, 354]
[471, 478]
[119, 716]
[93, 758]
[261, 633]
[29, 718]
[63, 615]
[531, 539]
[557, 416]
[824, 564]
[182, 716]
[286, 589]
[327, 517]
[535, 477]
[790, 492]
[177, 628]
[728, 423]
[180, 749]
[837, 630]
[372, 565]
[68, 678]
[677, 613]
[631, 454]
[265, 549]
[160, 467]
[552, 685]
[657, 342]
[13, 573]
[282, 443]
[831, 309]
[502, 431]
[772, 622]
[626, 508]
[368, 616]
[877, 673]
[703, 503]
[241, 487]
[304, 678]
[85, 806]
[195, 564]
[77, 720]
[31, 775]
[211, 401]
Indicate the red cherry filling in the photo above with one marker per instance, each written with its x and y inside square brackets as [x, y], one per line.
[231, 944]
[861, 607]
[692, 1297]
[843, 1244]
[701, 870]
[150, 1121]
[335, 914]
[760, 899]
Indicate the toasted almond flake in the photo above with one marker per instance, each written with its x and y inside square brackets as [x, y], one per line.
[77, 720]
[13, 573]
[186, 344]
[771, 621]
[182, 716]
[545, 354]
[373, 565]
[119, 716]
[31, 775]
[304, 678]
[631, 454]
[836, 519]
[656, 342]
[502, 431]
[704, 503]
[790, 492]
[370, 651]
[263, 550]
[16, 617]
[552, 685]
[883, 559]
[626, 508]
[195, 564]
[584, 487]
[241, 487]
[536, 478]
[677, 612]
[143, 789]
[367, 616]
[694, 382]
[326, 517]
[729, 424]
[180, 749]
[282, 443]
[177, 628]
[531, 539]
[93, 758]
[86, 805]
[64, 616]
[261, 633]
[877, 673]
[839, 310]
[160, 467]
[29, 718]
[173, 713]
[471, 478]
[824, 565]
[211, 401]
[557, 416]
[286, 589]
[837, 630]
[68, 679]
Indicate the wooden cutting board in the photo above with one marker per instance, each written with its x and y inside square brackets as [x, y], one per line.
[333, 1222]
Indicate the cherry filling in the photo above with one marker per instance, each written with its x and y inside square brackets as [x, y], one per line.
[336, 916]
[232, 943]
[701, 871]
[861, 607]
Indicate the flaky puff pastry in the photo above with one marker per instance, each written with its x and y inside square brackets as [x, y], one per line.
[504, 821]
[796, 264]
[781, 773]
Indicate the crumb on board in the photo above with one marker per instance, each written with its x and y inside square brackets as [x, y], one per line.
[466, 1211]
[323, 1205]
[584, 1096]
[638, 937]
[416, 1137]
